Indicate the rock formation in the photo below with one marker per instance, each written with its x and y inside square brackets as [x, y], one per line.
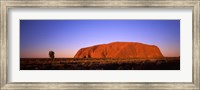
[120, 50]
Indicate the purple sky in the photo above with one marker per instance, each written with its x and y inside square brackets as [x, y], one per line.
[66, 37]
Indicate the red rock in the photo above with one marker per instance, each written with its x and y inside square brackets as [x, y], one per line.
[120, 50]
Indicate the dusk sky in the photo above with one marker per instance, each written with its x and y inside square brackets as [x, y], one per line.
[66, 37]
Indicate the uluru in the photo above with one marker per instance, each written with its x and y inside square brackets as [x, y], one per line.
[120, 50]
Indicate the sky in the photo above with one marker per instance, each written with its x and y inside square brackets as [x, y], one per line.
[66, 37]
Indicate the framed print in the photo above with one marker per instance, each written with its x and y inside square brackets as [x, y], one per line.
[115, 55]
[103, 44]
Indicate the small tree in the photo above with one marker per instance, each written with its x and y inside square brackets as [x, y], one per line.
[51, 55]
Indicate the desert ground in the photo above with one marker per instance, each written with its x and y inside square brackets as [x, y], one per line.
[169, 63]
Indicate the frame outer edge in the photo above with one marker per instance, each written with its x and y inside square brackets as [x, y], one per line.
[99, 3]
[0, 43]
[196, 42]
[198, 28]
[4, 47]
[1, 36]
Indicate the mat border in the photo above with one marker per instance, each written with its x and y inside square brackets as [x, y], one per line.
[5, 5]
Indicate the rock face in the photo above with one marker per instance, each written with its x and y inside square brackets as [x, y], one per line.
[120, 50]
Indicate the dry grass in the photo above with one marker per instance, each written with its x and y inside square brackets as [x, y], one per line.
[99, 64]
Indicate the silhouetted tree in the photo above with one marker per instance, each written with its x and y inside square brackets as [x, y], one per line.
[51, 55]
